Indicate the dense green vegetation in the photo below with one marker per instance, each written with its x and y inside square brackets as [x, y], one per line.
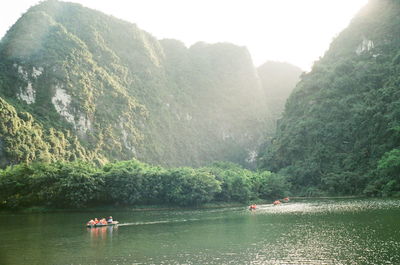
[129, 183]
[23, 140]
[340, 130]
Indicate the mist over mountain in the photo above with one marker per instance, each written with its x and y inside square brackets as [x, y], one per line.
[340, 130]
[98, 88]
[278, 80]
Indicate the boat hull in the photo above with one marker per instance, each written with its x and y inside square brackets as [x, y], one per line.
[101, 225]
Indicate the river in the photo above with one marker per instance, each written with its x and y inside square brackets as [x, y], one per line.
[324, 231]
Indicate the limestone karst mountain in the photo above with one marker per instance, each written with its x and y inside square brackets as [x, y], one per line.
[117, 92]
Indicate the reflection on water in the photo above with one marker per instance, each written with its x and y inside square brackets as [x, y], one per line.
[352, 231]
[102, 233]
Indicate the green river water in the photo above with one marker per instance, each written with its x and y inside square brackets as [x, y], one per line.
[324, 231]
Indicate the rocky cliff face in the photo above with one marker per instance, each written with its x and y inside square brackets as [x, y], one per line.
[23, 140]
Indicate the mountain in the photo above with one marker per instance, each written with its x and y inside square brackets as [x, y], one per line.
[114, 92]
[278, 80]
[340, 132]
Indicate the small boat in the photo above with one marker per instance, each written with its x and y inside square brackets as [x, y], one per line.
[252, 207]
[100, 225]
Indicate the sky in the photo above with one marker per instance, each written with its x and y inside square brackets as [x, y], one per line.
[293, 31]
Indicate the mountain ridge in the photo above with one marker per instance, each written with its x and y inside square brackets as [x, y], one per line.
[125, 94]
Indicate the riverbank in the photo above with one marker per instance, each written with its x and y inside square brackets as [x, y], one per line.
[113, 208]
[328, 197]
[165, 207]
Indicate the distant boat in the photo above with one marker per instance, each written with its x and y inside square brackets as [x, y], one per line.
[252, 207]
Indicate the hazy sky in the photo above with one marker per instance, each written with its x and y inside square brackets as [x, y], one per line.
[294, 31]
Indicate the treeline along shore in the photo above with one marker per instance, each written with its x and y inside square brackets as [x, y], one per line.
[130, 183]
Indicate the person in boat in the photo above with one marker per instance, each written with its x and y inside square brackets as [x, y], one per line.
[109, 220]
[96, 221]
[252, 207]
[277, 202]
[103, 221]
[91, 222]
[286, 199]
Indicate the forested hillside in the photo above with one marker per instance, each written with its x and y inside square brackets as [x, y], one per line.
[340, 132]
[120, 93]
[23, 140]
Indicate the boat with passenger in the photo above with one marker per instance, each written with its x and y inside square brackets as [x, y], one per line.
[102, 222]
[252, 207]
